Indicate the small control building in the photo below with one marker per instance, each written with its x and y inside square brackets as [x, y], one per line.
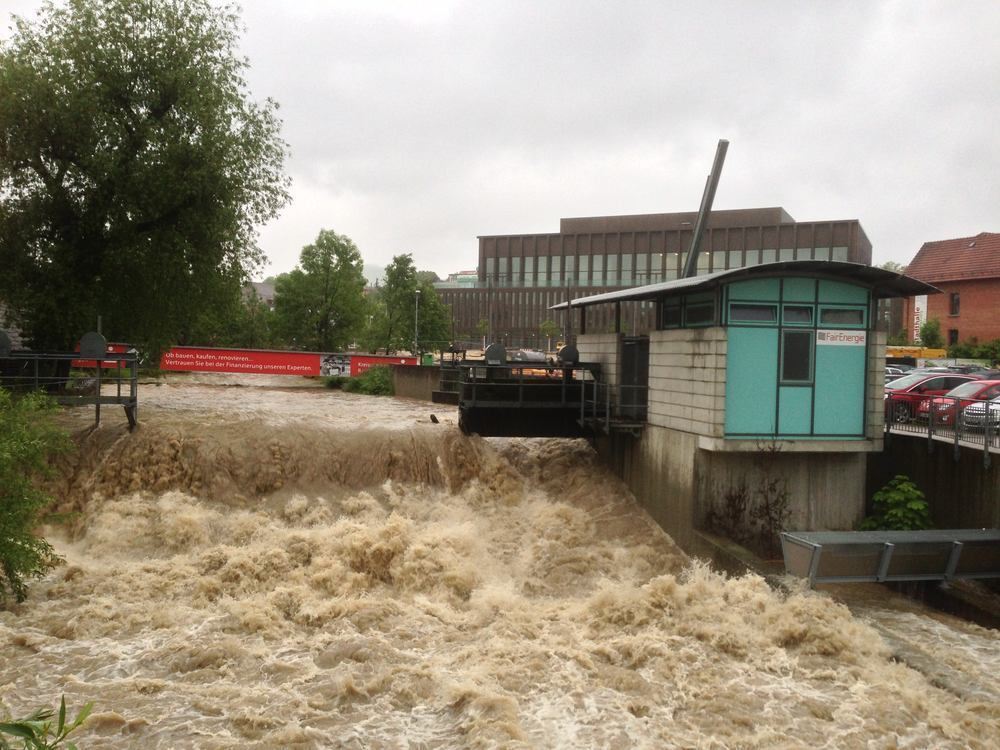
[768, 373]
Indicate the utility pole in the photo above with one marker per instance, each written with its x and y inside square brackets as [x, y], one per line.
[416, 324]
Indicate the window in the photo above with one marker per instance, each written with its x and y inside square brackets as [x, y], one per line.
[747, 313]
[796, 356]
[612, 271]
[699, 313]
[584, 269]
[515, 271]
[800, 315]
[952, 336]
[954, 304]
[529, 271]
[842, 316]
[671, 315]
[598, 270]
[569, 267]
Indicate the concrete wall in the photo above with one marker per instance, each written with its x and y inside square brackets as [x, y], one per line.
[826, 491]
[659, 469]
[962, 493]
[604, 348]
[678, 483]
[415, 382]
[875, 404]
[687, 380]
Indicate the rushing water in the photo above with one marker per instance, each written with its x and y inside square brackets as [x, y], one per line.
[260, 567]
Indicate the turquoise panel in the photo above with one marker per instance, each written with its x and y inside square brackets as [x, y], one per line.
[799, 290]
[751, 380]
[794, 410]
[840, 390]
[755, 289]
[837, 291]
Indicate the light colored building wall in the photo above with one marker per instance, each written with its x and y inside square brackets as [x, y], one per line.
[875, 407]
[603, 349]
[687, 380]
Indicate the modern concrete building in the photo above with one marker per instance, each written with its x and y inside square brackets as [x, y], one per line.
[521, 276]
[767, 373]
[967, 271]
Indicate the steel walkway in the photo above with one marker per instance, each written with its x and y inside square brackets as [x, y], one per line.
[879, 556]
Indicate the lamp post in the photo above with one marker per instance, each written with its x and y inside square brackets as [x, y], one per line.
[416, 324]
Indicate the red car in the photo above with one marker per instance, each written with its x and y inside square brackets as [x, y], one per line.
[946, 408]
[903, 396]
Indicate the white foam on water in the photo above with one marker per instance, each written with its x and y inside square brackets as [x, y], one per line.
[259, 568]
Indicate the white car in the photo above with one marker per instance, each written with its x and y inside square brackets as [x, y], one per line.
[982, 413]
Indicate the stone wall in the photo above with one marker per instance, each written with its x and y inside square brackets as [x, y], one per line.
[875, 406]
[602, 348]
[687, 380]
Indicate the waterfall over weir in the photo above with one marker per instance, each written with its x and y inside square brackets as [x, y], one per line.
[295, 567]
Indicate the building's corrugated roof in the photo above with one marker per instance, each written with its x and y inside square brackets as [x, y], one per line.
[958, 259]
[883, 283]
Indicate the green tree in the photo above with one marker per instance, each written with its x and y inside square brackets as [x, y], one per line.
[320, 305]
[930, 334]
[134, 168]
[548, 329]
[397, 315]
[27, 439]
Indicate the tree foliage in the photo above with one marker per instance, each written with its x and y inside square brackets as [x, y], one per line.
[134, 168]
[397, 315]
[27, 439]
[320, 305]
[930, 334]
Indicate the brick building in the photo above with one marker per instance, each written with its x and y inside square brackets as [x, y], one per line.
[967, 271]
[521, 276]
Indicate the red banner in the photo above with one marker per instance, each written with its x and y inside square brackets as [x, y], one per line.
[271, 362]
[111, 349]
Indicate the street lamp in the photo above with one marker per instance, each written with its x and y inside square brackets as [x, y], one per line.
[416, 323]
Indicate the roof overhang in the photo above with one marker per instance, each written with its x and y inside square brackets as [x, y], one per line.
[883, 284]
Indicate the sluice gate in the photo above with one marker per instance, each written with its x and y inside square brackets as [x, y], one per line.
[525, 399]
[881, 556]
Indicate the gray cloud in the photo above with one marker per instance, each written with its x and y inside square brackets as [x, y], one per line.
[415, 127]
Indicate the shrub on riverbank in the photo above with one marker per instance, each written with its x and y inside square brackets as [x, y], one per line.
[375, 381]
[27, 439]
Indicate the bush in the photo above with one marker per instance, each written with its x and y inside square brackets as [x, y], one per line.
[375, 381]
[27, 439]
[899, 506]
[37, 732]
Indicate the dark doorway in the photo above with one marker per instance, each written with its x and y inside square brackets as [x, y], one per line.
[634, 382]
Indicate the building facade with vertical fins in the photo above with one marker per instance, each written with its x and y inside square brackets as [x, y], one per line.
[521, 276]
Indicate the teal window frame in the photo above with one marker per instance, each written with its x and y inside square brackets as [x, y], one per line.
[734, 318]
[811, 337]
[797, 323]
[823, 308]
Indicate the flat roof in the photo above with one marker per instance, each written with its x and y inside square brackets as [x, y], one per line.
[884, 284]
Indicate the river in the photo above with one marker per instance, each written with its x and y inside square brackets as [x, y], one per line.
[260, 566]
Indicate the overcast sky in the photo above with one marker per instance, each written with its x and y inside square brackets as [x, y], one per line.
[416, 126]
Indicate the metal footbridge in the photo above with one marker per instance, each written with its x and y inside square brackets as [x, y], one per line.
[882, 556]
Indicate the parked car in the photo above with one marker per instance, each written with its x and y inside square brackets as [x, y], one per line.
[903, 396]
[891, 373]
[947, 407]
[982, 414]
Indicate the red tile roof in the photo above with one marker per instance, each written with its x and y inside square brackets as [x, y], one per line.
[957, 260]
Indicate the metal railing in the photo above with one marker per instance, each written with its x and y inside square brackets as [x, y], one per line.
[961, 422]
[613, 405]
[25, 371]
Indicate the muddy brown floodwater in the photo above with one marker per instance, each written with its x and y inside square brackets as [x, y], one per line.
[260, 566]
